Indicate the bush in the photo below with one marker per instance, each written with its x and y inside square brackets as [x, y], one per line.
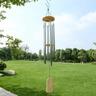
[2, 66]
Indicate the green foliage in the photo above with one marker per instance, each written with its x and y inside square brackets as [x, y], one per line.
[34, 56]
[68, 55]
[14, 46]
[9, 3]
[82, 55]
[94, 55]
[2, 17]
[62, 55]
[40, 54]
[5, 54]
[19, 54]
[2, 65]
[75, 55]
[57, 55]
[91, 55]
[14, 51]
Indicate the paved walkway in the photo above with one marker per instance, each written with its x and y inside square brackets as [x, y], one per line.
[4, 92]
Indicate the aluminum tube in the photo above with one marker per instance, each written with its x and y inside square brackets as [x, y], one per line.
[48, 41]
[44, 28]
[53, 42]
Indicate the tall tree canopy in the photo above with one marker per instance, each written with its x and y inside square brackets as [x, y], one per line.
[9, 3]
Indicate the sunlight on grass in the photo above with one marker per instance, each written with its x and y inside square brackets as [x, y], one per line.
[69, 79]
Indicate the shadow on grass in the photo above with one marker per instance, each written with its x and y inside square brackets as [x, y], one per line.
[29, 92]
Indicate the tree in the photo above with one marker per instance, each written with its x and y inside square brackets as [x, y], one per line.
[82, 55]
[62, 55]
[94, 55]
[28, 56]
[40, 54]
[5, 54]
[2, 17]
[57, 55]
[91, 55]
[14, 46]
[68, 52]
[74, 54]
[34, 56]
[9, 3]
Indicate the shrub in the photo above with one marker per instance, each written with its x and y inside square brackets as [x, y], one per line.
[2, 65]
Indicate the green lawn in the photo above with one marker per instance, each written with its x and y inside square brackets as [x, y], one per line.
[69, 79]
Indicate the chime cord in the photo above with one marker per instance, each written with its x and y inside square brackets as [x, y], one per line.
[48, 7]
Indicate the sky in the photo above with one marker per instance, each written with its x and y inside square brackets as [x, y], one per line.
[75, 23]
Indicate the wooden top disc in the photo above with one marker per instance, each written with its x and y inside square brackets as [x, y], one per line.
[48, 18]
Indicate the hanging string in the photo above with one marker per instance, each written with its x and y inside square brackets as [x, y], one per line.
[48, 7]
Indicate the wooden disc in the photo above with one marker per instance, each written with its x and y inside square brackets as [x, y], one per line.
[48, 18]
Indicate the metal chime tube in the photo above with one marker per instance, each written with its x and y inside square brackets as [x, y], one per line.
[44, 28]
[52, 39]
[51, 43]
[48, 39]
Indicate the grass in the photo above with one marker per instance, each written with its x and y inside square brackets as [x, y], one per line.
[69, 79]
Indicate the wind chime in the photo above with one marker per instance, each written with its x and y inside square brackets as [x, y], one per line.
[49, 44]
